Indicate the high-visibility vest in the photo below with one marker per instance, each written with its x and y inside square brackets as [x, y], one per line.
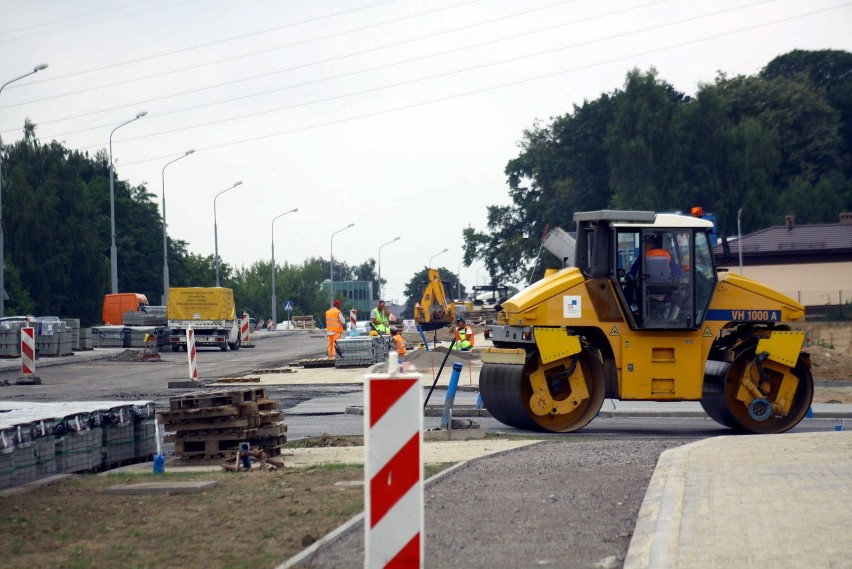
[381, 319]
[399, 344]
[464, 335]
[332, 320]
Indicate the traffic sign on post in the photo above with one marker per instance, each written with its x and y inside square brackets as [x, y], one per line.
[288, 306]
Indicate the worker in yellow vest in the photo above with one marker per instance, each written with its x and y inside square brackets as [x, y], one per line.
[464, 335]
[380, 319]
[334, 323]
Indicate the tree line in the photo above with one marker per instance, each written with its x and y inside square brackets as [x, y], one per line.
[771, 144]
[57, 234]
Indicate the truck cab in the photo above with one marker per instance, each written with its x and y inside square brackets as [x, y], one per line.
[660, 265]
[116, 305]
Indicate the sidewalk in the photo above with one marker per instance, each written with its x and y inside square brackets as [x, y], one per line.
[748, 501]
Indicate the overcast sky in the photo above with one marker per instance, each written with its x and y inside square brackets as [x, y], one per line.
[397, 116]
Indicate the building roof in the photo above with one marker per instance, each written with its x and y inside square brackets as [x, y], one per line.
[813, 240]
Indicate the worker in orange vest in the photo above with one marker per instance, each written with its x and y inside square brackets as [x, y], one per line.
[398, 342]
[334, 323]
[464, 335]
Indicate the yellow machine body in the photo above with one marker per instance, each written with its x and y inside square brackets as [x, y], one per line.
[581, 337]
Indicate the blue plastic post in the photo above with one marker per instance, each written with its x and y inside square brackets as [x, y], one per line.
[479, 402]
[810, 413]
[423, 336]
[159, 464]
[451, 393]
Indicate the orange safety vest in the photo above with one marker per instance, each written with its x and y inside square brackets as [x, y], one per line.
[332, 320]
[399, 344]
[468, 335]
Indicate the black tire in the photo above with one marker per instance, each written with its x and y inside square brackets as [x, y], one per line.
[719, 397]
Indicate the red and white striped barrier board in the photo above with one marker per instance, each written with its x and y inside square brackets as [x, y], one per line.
[245, 338]
[190, 352]
[393, 469]
[353, 319]
[28, 347]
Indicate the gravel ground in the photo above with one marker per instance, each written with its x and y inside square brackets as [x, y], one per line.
[585, 495]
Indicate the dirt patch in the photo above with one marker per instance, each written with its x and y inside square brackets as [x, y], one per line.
[256, 519]
[326, 440]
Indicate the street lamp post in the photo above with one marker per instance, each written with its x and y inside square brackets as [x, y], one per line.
[165, 299]
[331, 255]
[435, 255]
[113, 251]
[36, 69]
[274, 303]
[394, 240]
[216, 229]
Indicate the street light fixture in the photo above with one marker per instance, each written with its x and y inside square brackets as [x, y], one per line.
[216, 229]
[113, 251]
[36, 69]
[435, 255]
[274, 303]
[331, 255]
[165, 299]
[394, 240]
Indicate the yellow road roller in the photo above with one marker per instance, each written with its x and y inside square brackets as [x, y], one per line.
[645, 315]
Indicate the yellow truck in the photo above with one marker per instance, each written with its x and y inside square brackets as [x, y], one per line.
[209, 311]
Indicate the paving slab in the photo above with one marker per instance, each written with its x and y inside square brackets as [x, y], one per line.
[748, 501]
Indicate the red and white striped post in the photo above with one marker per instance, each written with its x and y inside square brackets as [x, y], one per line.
[353, 319]
[28, 347]
[393, 469]
[245, 331]
[190, 352]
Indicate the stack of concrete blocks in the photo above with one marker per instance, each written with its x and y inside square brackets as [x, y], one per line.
[108, 336]
[118, 445]
[381, 347]
[10, 342]
[41, 439]
[72, 325]
[86, 339]
[53, 339]
[127, 336]
[78, 443]
[145, 430]
[353, 352]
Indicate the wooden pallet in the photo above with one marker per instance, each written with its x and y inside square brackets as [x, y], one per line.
[198, 413]
[249, 379]
[215, 398]
[211, 424]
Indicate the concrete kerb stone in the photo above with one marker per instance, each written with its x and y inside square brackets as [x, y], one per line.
[172, 487]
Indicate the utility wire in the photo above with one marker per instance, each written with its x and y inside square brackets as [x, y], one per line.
[343, 75]
[431, 77]
[43, 24]
[89, 23]
[234, 58]
[493, 87]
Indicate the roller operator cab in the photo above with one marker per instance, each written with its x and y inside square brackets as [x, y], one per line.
[644, 315]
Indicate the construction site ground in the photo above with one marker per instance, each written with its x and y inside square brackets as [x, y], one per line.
[262, 518]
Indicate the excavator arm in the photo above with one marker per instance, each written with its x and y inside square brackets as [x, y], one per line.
[433, 312]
